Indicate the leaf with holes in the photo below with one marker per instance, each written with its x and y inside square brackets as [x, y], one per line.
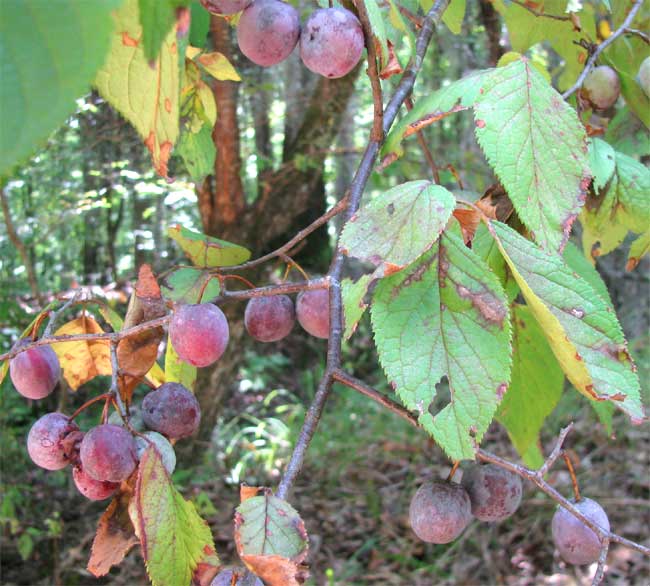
[580, 326]
[271, 540]
[145, 92]
[173, 537]
[535, 388]
[80, 360]
[537, 146]
[445, 315]
[399, 225]
[205, 251]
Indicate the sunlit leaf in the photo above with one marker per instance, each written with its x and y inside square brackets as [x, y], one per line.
[445, 316]
[354, 305]
[145, 92]
[205, 251]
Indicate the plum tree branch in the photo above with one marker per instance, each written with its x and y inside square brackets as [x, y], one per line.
[606, 43]
[534, 476]
[357, 187]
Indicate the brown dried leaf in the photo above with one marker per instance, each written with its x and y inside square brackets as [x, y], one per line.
[207, 568]
[82, 361]
[469, 221]
[495, 203]
[246, 492]
[114, 538]
[276, 570]
[392, 67]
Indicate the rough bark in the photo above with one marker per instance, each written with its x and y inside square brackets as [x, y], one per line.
[289, 197]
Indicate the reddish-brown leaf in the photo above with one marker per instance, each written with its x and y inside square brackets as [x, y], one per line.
[276, 570]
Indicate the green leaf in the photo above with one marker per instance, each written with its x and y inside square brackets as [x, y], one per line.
[157, 17]
[267, 525]
[535, 387]
[602, 161]
[354, 305]
[579, 264]
[578, 323]
[198, 152]
[378, 29]
[455, 97]
[187, 285]
[445, 315]
[639, 248]
[172, 534]
[199, 26]
[454, 15]
[177, 370]
[537, 146]
[49, 53]
[205, 251]
[399, 225]
[622, 206]
[487, 250]
[217, 65]
[145, 92]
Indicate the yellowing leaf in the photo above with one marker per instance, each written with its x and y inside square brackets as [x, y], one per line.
[205, 251]
[218, 66]
[173, 536]
[82, 361]
[145, 93]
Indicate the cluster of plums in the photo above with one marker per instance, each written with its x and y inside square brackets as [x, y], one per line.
[108, 454]
[602, 86]
[440, 511]
[199, 332]
[331, 40]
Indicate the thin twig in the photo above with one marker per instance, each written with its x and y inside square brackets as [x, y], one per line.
[540, 13]
[572, 474]
[557, 450]
[643, 36]
[424, 146]
[357, 187]
[606, 43]
[115, 376]
[55, 315]
[602, 559]
[373, 73]
[534, 476]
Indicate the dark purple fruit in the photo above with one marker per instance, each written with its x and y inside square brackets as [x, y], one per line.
[268, 31]
[331, 42]
[576, 542]
[35, 372]
[225, 6]
[495, 493]
[46, 441]
[95, 490]
[313, 312]
[601, 87]
[108, 453]
[440, 511]
[171, 410]
[269, 319]
[199, 333]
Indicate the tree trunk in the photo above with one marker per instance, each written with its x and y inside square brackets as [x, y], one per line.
[289, 197]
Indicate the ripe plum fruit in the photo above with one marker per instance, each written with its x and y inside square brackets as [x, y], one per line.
[601, 87]
[268, 31]
[35, 372]
[577, 543]
[313, 312]
[268, 319]
[440, 511]
[161, 444]
[331, 42]
[45, 442]
[225, 6]
[95, 490]
[171, 410]
[199, 333]
[108, 453]
[495, 493]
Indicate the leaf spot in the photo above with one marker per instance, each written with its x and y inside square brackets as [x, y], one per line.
[129, 41]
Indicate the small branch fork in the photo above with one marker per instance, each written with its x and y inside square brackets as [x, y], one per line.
[625, 26]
